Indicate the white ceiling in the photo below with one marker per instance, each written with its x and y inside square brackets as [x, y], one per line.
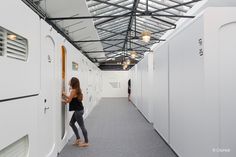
[76, 29]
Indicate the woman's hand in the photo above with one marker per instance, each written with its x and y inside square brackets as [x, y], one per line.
[64, 101]
[63, 93]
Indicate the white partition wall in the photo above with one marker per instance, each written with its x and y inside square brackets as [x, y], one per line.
[150, 87]
[145, 87]
[194, 86]
[160, 90]
[115, 83]
[193, 122]
[227, 87]
[134, 79]
[139, 86]
[220, 74]
[31, 87]
[133, 83]
[19, 79]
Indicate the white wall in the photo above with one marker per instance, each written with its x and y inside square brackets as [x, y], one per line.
[19, 78]
[115, 83]
[20, 117]
[160, 92]
[134, 85]
[141, 86]
[194, 102]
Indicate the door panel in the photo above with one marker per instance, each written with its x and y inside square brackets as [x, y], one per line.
[46, 129]
[227, 86]
[63, 106]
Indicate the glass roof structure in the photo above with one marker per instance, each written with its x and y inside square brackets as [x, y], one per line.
[106, 31]
[121, 32]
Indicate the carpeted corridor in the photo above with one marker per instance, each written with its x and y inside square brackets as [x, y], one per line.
[117, 129]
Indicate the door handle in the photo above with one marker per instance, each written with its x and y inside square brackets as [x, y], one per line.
[45, 109]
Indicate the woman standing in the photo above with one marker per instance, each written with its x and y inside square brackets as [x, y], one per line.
[75, 104]
[129, 89]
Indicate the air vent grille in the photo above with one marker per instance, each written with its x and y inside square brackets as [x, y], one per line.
[19, 148]
[1, 41]
[12, 45]
[17, 48]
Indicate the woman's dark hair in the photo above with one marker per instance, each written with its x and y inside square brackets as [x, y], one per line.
[74, 83]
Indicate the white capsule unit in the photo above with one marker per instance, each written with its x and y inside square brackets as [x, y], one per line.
[193, 86]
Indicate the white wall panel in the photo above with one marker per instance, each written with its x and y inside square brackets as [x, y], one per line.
[115, 83]
[18, 118]
[145, 88]
[220, 73]
[161, 90]
[227, 87]
[139, 86]
[150, 87]
[201, 85]
[188, 110]
[134, 84]
[23, 76]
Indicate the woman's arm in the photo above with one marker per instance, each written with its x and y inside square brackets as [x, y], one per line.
[64, 95]
[70, 97]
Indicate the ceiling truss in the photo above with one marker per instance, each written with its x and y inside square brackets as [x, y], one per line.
[119, 24]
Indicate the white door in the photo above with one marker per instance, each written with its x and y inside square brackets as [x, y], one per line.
[63, 89]
[90, 89]
[46, 129]
[84, 85]
[227, 87]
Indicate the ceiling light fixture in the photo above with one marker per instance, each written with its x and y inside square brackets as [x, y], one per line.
[127, 62]
[146, 36]
[133, 54]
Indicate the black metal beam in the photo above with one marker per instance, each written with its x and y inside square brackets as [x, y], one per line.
[178, 2]
[108, 57]
[164, 21]
[112, 36]
[112, 46]
[113, 18]
[113, 4]
[175, 6]
[113, 51]
[163, 30]
[140, 45]
[118, 16]
[116, 33]
[134, 8]
[114, 67]
[138, 52]
[84, 41]
[102, 29]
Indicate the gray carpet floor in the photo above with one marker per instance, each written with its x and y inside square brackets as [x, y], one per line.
[117, 129]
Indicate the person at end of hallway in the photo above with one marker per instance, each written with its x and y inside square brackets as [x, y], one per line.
[75, 104]
[129, 89]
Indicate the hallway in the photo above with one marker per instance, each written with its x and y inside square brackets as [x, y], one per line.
[117, 129]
